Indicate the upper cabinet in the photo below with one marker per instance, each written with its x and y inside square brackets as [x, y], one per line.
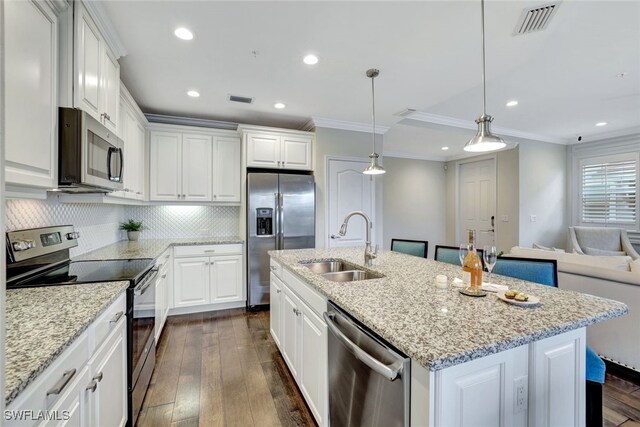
[96, 72]
[133, 134]
[31, 62]
[278, 148]
[194, 165]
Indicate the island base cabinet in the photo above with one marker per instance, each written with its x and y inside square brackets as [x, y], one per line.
[275, 309]
[74, 407]
[313, 363]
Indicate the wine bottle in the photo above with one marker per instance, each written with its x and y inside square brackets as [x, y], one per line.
[472, 266]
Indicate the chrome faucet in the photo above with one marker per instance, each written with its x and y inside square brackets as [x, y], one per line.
[369, 255]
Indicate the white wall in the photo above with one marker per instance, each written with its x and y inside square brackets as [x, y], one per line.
[543, 192]
[335, 142]
[414, 201]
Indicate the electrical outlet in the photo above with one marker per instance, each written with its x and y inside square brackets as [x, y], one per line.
[521, 394]
[533, 218]
[505, 218]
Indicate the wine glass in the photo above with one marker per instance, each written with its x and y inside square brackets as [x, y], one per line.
[490, 256]
[464, 249]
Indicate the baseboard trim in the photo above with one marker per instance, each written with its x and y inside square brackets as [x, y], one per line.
[207, 307]
[622, 371]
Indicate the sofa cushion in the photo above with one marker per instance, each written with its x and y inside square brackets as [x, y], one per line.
[620, 263]
[534, 253]
[602, 252]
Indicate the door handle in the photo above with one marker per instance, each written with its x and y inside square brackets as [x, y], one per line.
[493, 221]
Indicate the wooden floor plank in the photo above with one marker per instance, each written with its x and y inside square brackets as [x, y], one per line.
[611, 417]
[236, 397]
[156, 416]
[211, 398]
[630, 423]
[621, 384]
[187, 401]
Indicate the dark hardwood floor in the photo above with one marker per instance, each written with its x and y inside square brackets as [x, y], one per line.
[223, 369]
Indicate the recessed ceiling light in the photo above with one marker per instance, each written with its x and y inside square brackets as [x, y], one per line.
[445, 148]
[310, 60]
[512, 103]
[183, 33]
[600, 124]
[193, 93]
[279, 105]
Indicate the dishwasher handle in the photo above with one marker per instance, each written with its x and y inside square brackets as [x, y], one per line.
[389, 372]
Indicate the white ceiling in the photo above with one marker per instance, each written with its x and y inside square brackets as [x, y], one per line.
[565, 77]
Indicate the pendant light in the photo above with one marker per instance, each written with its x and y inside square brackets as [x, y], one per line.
[484, 140]
[374, 168]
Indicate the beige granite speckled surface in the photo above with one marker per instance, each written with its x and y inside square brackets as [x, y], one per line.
[151, 248]
[42, 322]
[441, 328]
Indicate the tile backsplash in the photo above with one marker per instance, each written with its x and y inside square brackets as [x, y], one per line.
[98, 223]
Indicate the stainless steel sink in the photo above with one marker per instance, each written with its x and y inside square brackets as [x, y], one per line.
[350, 276]
[340, 271]
[328, 266]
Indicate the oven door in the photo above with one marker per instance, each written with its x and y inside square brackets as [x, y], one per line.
[143, 322]
[102, 155]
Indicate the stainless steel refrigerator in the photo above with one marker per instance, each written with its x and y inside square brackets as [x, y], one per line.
[280, 215]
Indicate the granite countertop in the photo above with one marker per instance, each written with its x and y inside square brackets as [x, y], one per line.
[150, 248]
[42, 322]
[441, 328]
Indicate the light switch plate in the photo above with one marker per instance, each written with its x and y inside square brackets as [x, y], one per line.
[505, 218]
[533, 218]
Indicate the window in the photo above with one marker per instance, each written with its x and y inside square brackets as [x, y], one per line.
[609, 190]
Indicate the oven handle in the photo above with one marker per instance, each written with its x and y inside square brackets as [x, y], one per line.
[142, 287]
[377, 366]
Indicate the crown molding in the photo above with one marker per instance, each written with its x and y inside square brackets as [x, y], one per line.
[323, 122]
[471, 125]
[105, 26]
[621, 135]
[247, 128]
[188, 121]
[126, 97]
[405, 155]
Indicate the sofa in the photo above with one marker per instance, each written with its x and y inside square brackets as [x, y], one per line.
[601, 241]
[613, 277]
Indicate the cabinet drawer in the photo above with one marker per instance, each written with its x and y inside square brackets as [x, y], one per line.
[207, 250]
[275, 267]
[62, 374]
[108, 321]
[307, 294]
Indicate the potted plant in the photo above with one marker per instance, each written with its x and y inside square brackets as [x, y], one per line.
[133, 229]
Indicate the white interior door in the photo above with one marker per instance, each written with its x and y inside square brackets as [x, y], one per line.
[349, 190]
[477, 201]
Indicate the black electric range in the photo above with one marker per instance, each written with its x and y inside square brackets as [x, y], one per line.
[40, 257]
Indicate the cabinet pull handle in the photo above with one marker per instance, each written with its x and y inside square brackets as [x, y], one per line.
[116, 317]
[62, 382]
[93, 385]
[99, 376]
[164, 276]
[278, 290]
[210, 250]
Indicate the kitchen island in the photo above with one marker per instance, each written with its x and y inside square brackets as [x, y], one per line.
[473, 360]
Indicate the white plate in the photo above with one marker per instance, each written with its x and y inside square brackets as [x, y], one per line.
[533, 300]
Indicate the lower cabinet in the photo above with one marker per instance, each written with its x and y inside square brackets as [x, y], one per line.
[301, 335]
[74, 407]
[164, 291]
[208, 279]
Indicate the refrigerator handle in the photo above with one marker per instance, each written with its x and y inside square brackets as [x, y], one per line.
[281, 221]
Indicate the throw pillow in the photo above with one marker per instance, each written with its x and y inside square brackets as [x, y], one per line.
[634, 265]
[602, 252]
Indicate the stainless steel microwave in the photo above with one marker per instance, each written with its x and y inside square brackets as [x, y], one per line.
[89, 155]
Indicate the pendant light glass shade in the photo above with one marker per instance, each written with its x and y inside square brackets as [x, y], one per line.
[484, 140]
[374, 168]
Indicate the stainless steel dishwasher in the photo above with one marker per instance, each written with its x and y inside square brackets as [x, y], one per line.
[369, 381]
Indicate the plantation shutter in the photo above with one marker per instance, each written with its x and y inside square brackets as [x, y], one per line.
[609, 192]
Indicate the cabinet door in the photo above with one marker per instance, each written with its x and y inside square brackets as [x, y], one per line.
[275, 308]
[313, 363]
[30, 30]
[263, 150]
[196, 167]
[226, 278]
[109, 370]
[291, 320]
[142, 161]
[110, 89]
[75, 403]
[160, 302]
[132, 163]
[296, 152]
[88, 64]
[226, 170]
[191, 281]
[165, 171]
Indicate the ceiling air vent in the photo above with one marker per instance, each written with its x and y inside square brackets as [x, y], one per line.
[536, 19]
[242, 99]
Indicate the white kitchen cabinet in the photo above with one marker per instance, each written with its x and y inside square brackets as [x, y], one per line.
[97, 72]
[225, 278]
[31, 63]
[165, 166]
[109, 376]
[76, 403]
[278, 150]
[191, 281]
[226, 169]
[291, 329]
[275, 309]
[313, 369]
[196, 167]
[164, 286]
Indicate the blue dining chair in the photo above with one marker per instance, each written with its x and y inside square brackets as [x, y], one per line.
[418, 248]
[545, 272]
[450, 254]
